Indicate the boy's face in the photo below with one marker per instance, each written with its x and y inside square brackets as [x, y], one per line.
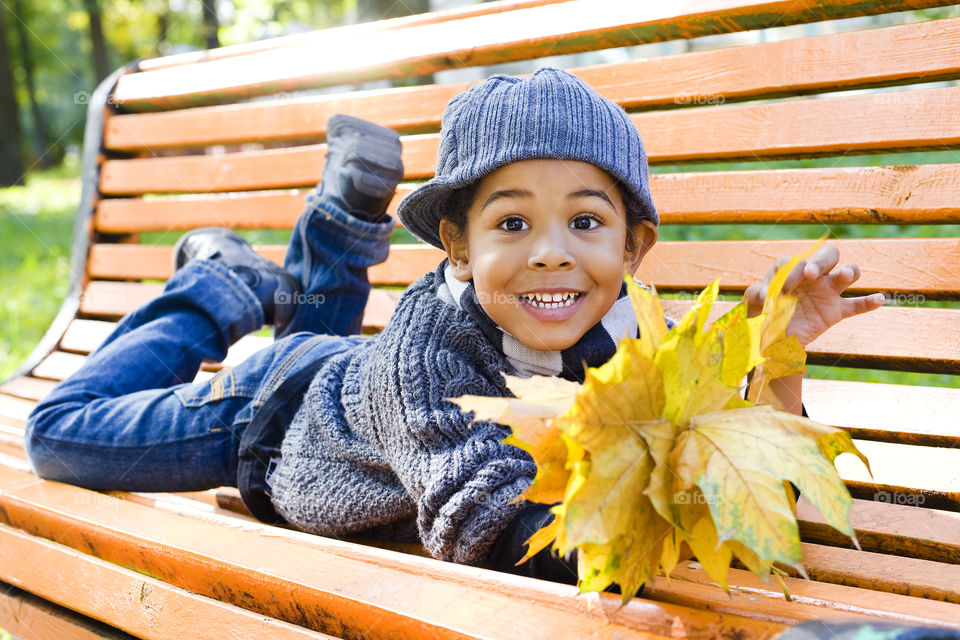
[546, 247]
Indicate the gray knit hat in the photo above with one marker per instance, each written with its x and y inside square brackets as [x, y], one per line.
[551, 114]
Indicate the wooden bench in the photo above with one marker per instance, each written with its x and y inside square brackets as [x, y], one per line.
[175, 143]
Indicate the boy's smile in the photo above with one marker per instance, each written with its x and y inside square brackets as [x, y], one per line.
[546, 246]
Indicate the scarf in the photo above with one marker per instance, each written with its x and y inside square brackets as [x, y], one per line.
[596, 346]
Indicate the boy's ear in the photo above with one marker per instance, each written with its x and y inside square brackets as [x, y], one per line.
[455, 244]
[644, 237]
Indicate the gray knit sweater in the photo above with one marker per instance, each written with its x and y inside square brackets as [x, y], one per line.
[375, 448]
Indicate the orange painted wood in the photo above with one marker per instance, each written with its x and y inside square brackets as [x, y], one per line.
[15, 409]
[105, 298]
[130, 601]
[694, 588]
[922, 194]
[405, 264]
[879, 572]
[27, 616]
[910, 270]
[889, 412]
[890, 528]
[925, 51]
[342, 32]
[329, 591]
[893, 493]
[875, 339]
[27, 387]
[931, 468]
[569, 27]
[905, 120]
[743, 600]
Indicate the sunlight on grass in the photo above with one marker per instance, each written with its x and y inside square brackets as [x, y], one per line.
[36, 227]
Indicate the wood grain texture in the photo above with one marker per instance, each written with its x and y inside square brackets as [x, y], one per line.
[137, 604]
[905, 120]
[27, 616]
[887, 412]
[925, 52]
[908, 270]
[922, 194]
[893, 529]
[569, 27]
[333, 592]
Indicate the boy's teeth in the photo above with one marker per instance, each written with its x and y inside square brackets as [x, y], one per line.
[551, 300]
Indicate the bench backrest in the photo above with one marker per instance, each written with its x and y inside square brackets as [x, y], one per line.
[224, 138]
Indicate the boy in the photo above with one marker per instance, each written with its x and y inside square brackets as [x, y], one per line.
[541, 201]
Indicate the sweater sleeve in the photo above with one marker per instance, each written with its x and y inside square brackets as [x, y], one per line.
[461, 476]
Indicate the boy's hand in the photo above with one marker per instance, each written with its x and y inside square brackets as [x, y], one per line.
[818, 289]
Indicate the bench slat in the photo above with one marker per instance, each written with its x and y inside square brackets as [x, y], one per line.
[875, 340]
[922, 194]
[924, 51]
[138, 604]
[746, 586]
[914, 268]
[888, 412]
[869, 411]
[396, 597]
[906, 120]
[342, 32]
[889, 528]
[569, 27]
[26, 387]
[27, 616]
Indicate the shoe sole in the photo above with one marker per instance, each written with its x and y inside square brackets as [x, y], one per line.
[178, 260]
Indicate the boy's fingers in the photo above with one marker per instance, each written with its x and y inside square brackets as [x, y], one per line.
[844, 277]
[794, 278]
[753, 295]
[823, 260]
[862, 304]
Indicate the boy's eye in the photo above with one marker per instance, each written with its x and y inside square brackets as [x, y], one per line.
[585, 222]
[513, 224]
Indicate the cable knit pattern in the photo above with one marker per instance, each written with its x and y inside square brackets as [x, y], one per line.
[376, 448]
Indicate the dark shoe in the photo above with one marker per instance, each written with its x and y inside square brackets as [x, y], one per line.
[362, 168]
[274, 287]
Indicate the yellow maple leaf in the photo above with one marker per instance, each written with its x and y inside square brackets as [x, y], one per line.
[659, 447]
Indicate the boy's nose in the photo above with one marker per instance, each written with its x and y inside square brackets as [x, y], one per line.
[550, 251]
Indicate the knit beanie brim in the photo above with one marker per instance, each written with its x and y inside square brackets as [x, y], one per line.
[504, 119]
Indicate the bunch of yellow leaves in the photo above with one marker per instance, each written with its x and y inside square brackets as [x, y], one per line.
[659, 447]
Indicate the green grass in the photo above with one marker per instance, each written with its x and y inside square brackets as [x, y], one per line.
[36, 229]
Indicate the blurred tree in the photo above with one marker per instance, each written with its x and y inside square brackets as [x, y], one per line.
[377, 9]
[211, 24]
[11, 158]
[101, 66]
[40, 137]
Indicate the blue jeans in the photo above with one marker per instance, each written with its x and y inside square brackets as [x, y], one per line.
[131, 419]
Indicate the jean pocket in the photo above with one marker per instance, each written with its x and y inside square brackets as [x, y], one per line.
[222, 386]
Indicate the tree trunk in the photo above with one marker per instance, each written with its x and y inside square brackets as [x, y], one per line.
[378, 9]
[46, 157]
[101, 66]
[211, 24]
[11, 159]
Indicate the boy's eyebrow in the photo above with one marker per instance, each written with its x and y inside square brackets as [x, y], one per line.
[587, 193]
[522, 193]
[505, 193]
